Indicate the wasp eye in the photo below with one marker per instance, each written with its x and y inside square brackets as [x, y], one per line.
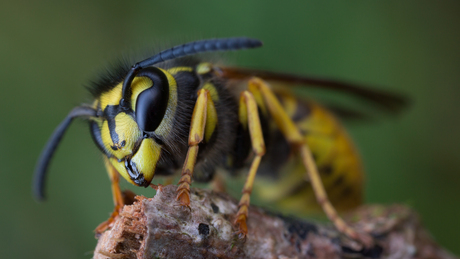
[151, 103]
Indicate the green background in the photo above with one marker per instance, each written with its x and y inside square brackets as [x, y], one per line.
[49, 50]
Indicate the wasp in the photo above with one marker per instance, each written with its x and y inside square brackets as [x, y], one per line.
[174, 112]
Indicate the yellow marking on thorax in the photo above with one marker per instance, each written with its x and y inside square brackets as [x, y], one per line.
[203, 68]
[212, 91]
[173, 71]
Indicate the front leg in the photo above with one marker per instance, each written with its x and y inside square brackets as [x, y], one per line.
[204, 119]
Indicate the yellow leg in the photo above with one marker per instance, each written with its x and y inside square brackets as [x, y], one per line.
[291, 132]
[249, 116]
[204, 106]
[118, 199]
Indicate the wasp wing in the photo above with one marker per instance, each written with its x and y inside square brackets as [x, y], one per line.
[387, 101]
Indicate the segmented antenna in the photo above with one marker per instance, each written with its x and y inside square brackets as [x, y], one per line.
[185, 50]
[43, 162]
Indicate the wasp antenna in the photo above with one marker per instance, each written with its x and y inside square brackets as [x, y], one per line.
[185, 50]
[48, 152]
[201, 46]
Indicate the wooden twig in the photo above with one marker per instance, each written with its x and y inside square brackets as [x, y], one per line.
[159, 228]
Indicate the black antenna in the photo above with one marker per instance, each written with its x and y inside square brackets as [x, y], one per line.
[48, 152]
[185, 50]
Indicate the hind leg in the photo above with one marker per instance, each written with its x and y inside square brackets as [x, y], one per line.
[268, 102]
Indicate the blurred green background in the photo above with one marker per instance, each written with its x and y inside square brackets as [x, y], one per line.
[49, 50]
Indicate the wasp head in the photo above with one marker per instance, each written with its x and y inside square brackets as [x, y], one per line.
[131, 127]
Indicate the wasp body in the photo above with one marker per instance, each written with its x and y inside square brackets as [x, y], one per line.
[171, 112]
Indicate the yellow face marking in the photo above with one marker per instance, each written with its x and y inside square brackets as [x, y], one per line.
[146, 158]
[127, 131]
[111, 97]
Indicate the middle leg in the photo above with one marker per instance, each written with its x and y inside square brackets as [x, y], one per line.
[249, 117]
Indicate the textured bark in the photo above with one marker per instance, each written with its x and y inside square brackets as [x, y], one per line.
[159, 228]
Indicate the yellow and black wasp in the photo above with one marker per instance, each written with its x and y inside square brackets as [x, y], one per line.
[173, 111]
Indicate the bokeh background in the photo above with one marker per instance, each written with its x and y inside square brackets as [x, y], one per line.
[49, 50]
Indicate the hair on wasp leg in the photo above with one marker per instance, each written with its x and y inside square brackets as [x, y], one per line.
[174, 112]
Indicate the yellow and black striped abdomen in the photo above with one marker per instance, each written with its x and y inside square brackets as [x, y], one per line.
[338, 162]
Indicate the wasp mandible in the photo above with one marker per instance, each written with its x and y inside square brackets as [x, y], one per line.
[174, 112]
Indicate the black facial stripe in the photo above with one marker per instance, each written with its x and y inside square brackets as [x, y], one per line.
[109, 113]
[113, 133]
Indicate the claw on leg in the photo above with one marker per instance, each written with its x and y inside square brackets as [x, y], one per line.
[183, 196]
[183, 190]
[242, 215]
[242, 226]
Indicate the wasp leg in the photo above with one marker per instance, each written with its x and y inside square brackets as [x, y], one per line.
[118, 199]
[267, 100]
[249, 116]
[204, 109]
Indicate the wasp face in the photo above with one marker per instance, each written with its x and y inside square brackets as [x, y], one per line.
[131, 137]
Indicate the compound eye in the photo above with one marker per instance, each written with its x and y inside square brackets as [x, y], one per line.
[151, 103]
